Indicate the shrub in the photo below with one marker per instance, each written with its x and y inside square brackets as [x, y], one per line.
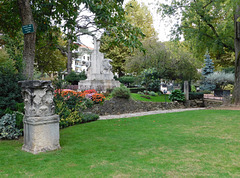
[121, 92]
[136, 90]
[127, 79]
[220, 79]
[8, 128]
[195, 95]
[98, 98]
[10, 92]
[177, 95]
[152, 93]
[74, 77]
[88, 117]
[150, 79]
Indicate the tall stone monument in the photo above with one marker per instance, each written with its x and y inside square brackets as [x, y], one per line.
[41, 125]
[99, 74]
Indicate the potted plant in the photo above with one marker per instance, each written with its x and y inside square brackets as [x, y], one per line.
[221, 80]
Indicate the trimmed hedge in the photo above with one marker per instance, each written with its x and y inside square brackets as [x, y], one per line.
[136, 90]
[195, 95]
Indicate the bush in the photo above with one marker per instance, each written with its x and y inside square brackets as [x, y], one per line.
[88, 117]
[195, 95]
[220, 79]
[127, 79]
[136, 90]
[177, 95]
[121, 92]
[74, 77]
[10, 92]
[8, 128]
[150, 79]
[152, 93]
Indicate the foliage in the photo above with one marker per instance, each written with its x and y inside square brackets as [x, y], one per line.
[205, 25]
[45, 15]
[10, 92]
[150, 79]
[207, 70]
[74, 77]
[49, 55]
[88, 117]
[98, 98]
[152, 93]
[177, 95]
[14, 49]
[71, 104]
[137, 15]
[127, 79]
[220, 79]
[195, 95]
[121, 92]
[171, 60]
[136, 90]
[8, 128]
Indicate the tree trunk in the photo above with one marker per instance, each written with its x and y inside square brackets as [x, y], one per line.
[69, 62]
[29, 39]
[236, 93]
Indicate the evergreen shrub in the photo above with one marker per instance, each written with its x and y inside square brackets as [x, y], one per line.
[10, 92]
[121, 92]
[127, 79]
[195, 95]
[74, 77]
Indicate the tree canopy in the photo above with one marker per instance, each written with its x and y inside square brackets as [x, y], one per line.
[205, 25]
[108, 15]
[140, 17]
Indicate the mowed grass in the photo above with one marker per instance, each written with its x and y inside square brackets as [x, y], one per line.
[204, 143]
[161, 98]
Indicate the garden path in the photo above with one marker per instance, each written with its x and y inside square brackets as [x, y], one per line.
[146, 113]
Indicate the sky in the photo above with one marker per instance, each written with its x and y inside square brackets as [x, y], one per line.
[162, 26]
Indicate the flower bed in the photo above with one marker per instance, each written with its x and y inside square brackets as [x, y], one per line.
[71, 104]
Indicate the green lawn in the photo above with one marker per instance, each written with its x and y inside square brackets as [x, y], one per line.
[204, 143]
[157, 98]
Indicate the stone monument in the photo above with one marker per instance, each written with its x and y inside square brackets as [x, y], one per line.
[41, 125]
[99, 74]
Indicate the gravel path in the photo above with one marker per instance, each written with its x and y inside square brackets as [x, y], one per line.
[146, 113]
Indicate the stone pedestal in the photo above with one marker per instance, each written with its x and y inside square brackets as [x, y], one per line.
[98, 85]
[41, 125]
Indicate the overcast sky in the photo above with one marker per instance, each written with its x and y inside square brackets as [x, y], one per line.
[162, 26]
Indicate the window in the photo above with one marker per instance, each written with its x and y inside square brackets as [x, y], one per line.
[88, 58]
[83, 57]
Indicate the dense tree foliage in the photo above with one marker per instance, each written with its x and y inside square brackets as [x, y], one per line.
[43, 15]
[137, 15]
[205, 25]
[170, 60]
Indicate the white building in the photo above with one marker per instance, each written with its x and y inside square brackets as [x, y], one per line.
[80, 63]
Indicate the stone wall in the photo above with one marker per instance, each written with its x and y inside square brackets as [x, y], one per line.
[122, 106]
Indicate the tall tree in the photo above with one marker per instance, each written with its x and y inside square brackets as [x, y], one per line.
[170, 59]
[210, 24]
[205, 25]
[236, 92]
[108, 15]
[137, 15]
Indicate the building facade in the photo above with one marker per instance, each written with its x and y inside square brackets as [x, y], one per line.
[82, 59]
